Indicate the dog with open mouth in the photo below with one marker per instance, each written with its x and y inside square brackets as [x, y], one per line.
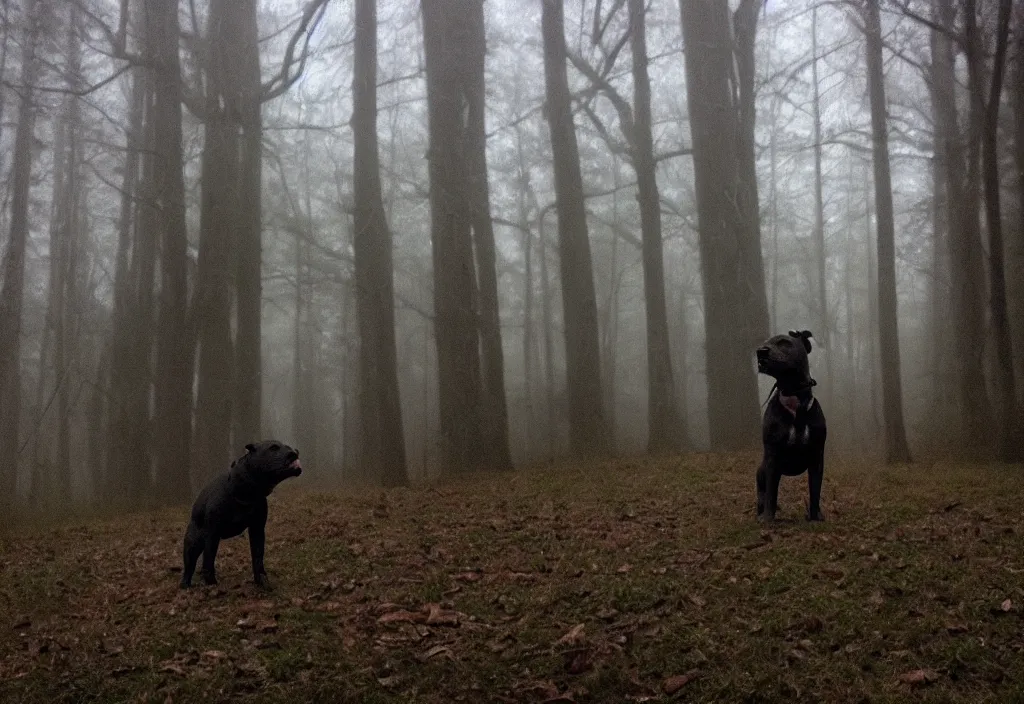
[236, 501]
[793, 429]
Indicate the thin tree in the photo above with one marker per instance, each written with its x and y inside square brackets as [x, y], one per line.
[665, 431]
[896, 447]
[174, 364]
[383, 438]
[12, 293]
[588, 429]
[1010, 448]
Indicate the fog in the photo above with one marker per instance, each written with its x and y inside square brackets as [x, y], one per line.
[182, 213]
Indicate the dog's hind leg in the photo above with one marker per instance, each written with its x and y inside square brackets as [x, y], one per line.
[761, 488]
[191, 551]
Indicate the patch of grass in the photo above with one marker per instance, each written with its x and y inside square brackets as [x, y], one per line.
[604, 583]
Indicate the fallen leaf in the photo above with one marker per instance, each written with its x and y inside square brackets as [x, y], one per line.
[214, 654]
[573, 637]
[434, 652]
[577, 661]
[696, 600]
[436, 616]
[22, 622]
[955, 628]
[623, 569]
[1006, 606]
[401, 616]
[468, 577]
[919, 677]
[671, 685]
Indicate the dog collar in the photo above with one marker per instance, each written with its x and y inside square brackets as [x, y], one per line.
[792, 403]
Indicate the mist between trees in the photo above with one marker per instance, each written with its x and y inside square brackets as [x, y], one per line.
[416, 239]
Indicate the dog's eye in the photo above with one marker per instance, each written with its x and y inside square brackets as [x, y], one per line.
[275, 447]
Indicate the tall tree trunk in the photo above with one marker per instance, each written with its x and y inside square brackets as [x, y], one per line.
[896, 447]
[753, 297]
[174, 358]
[547, 315]
[940, 293]
[588, 429]
[529, 336]
[248, 275]
[12, 293]
[220, 207]
[824, 321]
[383, 436]
[458, 350]
[1017, 318]
[129, 459]
[1010, 446]
[723, 190]
[662, 413]
[494, 407]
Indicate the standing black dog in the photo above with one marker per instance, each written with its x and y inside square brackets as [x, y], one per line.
[793, 429]
[235, 501]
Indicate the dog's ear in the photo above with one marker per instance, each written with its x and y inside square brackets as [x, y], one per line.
[250, 448]
[805, 336]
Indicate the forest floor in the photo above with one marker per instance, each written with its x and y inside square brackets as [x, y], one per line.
[634, 580]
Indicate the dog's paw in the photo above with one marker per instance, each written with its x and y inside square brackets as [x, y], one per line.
[263, 582]
[184, 585]
[209, 580]
[765, 518]
[818, 517]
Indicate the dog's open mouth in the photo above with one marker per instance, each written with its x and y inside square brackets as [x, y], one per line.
[295, 467]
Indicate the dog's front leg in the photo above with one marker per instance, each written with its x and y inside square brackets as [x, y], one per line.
[772, 477]
[257, 545]
[814, 475]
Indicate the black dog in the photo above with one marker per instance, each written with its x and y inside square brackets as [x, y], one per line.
[793, 429]
[235, 501]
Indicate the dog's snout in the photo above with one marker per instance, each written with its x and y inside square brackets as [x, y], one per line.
[762, 352]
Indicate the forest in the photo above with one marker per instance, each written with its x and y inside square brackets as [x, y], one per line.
[500, 268]
[556, 235]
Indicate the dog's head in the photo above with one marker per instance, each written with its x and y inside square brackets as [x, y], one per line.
[784, 358]
[266, 464]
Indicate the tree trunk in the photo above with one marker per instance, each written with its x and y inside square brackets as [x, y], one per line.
[897, 450]
[723, 191]
[12, 293]
[662, 413]
[941, 331]
[383, 437]
[494, 406]
[1009, 441]
[219, 210]
[458, 350]
[174, 358]
[129, 458]
[248, 233]
[753, 297]
[529, 337]
[588, 429]
[824, 322]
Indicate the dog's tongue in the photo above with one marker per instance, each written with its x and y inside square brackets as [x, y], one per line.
[295, 464]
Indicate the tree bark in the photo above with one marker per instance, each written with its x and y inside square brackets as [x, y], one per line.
[174, 358]
[664, 432]
[1009, 437]
[588, 429]
[383, 437]
[824, 322]
[12, 293]
[494, 406]
[458, 351]
[220, 208]
[897, 450]
[248, 275]
[735, 311]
